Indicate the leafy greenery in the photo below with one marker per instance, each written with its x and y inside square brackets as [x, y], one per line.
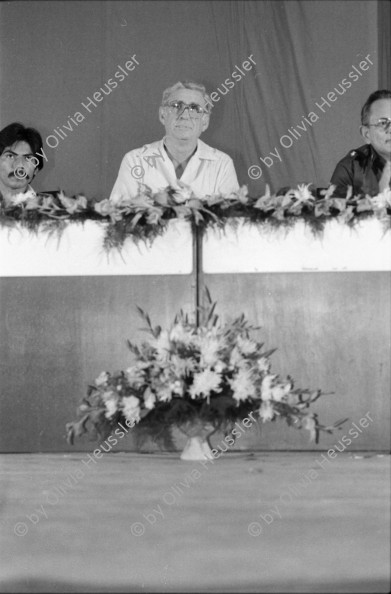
[146, 216]
[211, 374]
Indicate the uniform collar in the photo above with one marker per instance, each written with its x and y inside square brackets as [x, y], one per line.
[366, 154]
[377, 160]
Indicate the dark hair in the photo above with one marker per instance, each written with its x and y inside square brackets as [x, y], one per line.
[16, 132]
[384, 94]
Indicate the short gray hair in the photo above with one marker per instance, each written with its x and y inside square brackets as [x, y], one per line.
[188, 85]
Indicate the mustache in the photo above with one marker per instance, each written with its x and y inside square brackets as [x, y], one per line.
[19, 173]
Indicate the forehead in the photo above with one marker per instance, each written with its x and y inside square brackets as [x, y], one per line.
[20, 148]
[380, 109]
[188, 96]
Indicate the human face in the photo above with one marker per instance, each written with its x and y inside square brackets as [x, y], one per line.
[183, 127]
[376, 136]
[17, 168]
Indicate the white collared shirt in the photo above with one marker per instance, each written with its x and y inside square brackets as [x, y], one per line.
[209, 171]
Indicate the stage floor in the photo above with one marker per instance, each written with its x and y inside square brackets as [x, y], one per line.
[248, 522]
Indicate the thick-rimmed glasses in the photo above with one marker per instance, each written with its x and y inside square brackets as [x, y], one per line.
[178, 107]
[383, 124]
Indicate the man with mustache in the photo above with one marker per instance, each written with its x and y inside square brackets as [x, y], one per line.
[21, 156]
[180, 159]
[368, 168]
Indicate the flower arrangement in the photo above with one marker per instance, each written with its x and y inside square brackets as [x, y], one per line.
[211, 373]
[146, 216]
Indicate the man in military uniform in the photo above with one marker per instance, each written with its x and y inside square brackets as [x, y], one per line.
[368, 168]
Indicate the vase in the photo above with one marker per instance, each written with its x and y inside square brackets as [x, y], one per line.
[197, 446]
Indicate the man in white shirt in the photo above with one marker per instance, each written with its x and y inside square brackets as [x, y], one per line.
[21, 156]
[180, 157]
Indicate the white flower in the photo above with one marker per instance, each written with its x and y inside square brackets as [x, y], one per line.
[109, 395]
[149, 399]
[280, 391]
[22, 197]
[48, 203]
[184, 193]
[266, 387]
[164, 394]
[72, 205]
[263, 364]
[209, 342]
[246, 346]
[135, 375]
[111, 408]
[242, 385]
[82, 202]
[219, 366]
[205, 382]
[102, 379]
[302, 194]
[179, 333]
[162, 345]
[111, 399]
[33, 203]
[382, 200]
[181, 367]
[209, 350]
[177, 387]
[105, 207]
[266, 412]
[131, 408]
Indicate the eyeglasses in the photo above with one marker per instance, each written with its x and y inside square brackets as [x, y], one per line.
[383, 123]
[178, 107]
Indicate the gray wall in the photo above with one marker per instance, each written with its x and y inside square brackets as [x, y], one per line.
[332, 331]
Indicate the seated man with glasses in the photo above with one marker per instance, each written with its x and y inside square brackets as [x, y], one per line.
[368, 168]
[180, 157]
[21, 156]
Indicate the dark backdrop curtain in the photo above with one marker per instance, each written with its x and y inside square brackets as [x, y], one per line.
[384, 18]
[54, 55]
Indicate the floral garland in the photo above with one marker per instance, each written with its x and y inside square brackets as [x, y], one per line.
[146, 216]
[213, 373]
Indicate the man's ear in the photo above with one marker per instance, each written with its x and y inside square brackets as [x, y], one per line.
[162, 115]
[205, 123]
[364, 130]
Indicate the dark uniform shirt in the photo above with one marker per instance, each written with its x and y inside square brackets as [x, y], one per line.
[361, 169]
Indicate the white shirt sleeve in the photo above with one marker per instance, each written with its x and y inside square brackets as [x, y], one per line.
[227, 180]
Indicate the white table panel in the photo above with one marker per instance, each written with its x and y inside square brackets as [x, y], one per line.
[250, 249]
[79, 252]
